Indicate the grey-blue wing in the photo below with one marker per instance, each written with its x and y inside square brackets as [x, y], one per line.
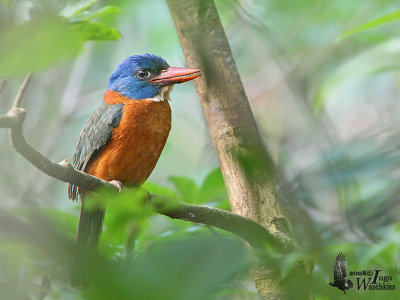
[93, 138]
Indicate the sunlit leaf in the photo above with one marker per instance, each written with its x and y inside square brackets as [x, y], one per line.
[91, 31]
[102, 12]
[393, 16]
[76, 7]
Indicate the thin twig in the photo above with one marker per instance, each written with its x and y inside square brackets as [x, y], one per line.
[2, 83]
[21, 91]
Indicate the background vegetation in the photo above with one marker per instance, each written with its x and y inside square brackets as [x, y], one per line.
[324, 92]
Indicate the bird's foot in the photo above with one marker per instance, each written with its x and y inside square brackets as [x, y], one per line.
[117, 184]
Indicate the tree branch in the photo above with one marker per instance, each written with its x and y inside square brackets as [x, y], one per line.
[62, 171]
[8, 121]
[255, 234]
[252, 232]
[21, 91]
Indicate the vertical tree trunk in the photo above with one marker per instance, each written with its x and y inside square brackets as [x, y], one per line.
[245, 163]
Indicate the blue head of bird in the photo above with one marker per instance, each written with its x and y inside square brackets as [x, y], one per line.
[148, 76]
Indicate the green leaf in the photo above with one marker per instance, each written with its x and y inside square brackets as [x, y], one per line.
[225, 205]
[104, 11]
[187, 188]
[36, 45]
[159, 190]
[125, 219]
[96, 31]
[393, 16]
[213, 187]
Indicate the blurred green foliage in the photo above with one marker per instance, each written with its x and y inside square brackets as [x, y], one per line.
[30, 50]
[211, 192]
[39, 38]
[173, 267]
[327, 107]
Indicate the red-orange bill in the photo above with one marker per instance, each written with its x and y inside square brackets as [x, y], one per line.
[176, 75]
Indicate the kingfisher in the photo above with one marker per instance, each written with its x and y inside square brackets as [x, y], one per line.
[123, 139]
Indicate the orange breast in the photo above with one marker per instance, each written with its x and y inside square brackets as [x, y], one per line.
[135, 144]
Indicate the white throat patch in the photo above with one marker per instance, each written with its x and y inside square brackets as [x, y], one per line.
[163, 94]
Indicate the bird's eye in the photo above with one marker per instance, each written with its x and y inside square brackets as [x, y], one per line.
[142, 73]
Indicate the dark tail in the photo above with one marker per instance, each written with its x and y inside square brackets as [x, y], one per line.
[89, 228]
[87, 239]
[90, 221]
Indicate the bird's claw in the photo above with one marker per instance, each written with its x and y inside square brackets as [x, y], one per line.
[117, 184]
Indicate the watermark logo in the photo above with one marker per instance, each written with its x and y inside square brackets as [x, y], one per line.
[372, 279]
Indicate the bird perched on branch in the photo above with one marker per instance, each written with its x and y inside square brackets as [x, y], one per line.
[123, 139]
[340, 279]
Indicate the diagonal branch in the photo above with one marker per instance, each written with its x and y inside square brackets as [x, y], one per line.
[2, 83]
[255, 234]
[252, 232]
[62, 171]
